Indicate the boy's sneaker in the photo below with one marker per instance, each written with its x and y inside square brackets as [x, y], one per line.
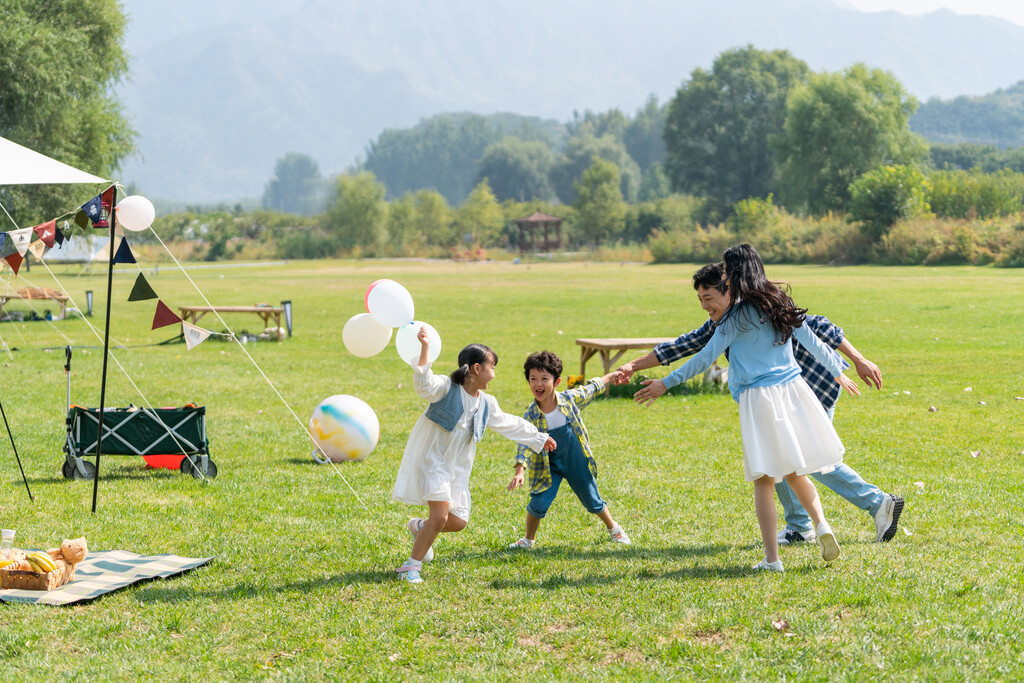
[765, 565]
[414, 526]
[787, 537]
[829, 545]
[888, 518]
[617, 534]
[523, 542]
[410, 572]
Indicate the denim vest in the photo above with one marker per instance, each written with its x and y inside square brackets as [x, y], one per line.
[446, 412]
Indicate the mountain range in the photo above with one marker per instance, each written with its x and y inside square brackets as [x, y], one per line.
[219, 91]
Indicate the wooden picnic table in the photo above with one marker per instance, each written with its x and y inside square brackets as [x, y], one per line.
[37, 293]
[605, 346]
[192, 314]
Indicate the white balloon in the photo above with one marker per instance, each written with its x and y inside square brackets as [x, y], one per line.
[135, 213]
[364, 337]
[390, 303]
[408, 346]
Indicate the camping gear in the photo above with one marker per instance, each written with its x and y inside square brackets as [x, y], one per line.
[135, 431]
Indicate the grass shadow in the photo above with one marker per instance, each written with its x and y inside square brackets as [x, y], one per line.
[158, 593]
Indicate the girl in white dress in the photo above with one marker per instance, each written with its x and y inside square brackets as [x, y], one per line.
[785, 431]
[438, 458]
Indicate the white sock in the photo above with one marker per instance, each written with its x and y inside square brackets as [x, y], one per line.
[418, 564]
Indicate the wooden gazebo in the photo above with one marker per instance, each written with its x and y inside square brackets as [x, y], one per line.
[528, 229]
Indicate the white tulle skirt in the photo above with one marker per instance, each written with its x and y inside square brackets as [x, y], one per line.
[785, 430]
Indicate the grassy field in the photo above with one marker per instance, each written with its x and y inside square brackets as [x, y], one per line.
[302, 586]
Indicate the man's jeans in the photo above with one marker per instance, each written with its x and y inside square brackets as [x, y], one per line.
[843, 480]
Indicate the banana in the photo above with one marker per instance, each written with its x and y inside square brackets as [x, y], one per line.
[33, 564]
[42, 561]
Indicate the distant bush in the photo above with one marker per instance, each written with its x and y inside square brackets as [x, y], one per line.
[972, 194]
[885, 195]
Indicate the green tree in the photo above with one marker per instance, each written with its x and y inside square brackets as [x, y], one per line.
[601, 212]
[480, 216]
[885, 195]
[295, 187]
[644, 136]
[401, 229]
[59, 62]
[357, 213]
[518, 170]
[612, 122]
[432, 223]
[578, 157]
[721, 124]
[840, 126]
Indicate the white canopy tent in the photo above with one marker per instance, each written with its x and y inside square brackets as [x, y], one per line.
[21, 166]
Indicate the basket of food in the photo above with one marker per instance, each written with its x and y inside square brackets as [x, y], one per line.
[43, 571]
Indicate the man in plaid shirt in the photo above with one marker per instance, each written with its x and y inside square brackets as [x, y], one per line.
[884, 508]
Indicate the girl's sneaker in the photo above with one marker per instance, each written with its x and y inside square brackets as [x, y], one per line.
[829, 545]
[617, 534]
[410, 572]
[765, 565]
[414, 526]
[523, 543]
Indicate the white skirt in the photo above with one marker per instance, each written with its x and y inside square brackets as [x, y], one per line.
[785, 430]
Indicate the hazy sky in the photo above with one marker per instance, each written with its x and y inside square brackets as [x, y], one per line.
[1011, 10]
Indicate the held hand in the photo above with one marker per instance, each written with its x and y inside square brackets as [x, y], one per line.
[550, 445]
[653, 388]
[848, 384]
[517, 481]
[623, 374]
[869, 372]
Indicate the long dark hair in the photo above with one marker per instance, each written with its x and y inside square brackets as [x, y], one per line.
[474, 353]
[748, 282]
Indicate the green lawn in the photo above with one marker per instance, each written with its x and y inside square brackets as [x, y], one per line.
[302, 587]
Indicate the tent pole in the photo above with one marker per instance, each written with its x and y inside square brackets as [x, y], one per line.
[106, 351]
[30, 496]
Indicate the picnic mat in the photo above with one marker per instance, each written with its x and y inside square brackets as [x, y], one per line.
[106, 571]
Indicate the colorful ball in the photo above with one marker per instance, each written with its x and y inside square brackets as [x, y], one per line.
[344, 429]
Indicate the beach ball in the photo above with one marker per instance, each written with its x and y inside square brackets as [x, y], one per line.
[408, 346]
[344, 429]
[363, 336]
[390, 303]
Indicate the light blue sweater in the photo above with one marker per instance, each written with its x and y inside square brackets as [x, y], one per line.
[756, 359]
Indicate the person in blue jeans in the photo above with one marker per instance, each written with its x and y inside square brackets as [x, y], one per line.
[884, 508]
[558, 414]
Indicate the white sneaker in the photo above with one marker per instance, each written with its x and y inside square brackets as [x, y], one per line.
[617, 534]
[410, 572]
[524, 543]
[887, 518]
[829, 545]
[787, 537]
[765, 565]
[414, 526]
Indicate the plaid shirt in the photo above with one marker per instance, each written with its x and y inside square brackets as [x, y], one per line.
[814, 373]
[570, 403]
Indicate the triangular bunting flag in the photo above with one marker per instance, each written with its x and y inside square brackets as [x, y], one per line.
[141, 291]
[58, 234]
[37, 248]
[93, 210]
[21, 239]
[6, 247]
[46, 232]
[194, 336]
[14, 261]
[82, 217]
[124, 253]
[164, 316]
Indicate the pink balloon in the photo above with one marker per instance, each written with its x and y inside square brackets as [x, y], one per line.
[366, 298]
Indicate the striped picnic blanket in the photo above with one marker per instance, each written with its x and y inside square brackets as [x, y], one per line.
[105, 571]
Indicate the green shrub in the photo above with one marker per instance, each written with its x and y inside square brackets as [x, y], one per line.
[885, 195]
[752, 215]
[973, 194]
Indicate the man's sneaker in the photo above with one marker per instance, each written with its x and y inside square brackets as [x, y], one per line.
[765, 565]
[829, 545]
[786, 537]
[617, 534]
[410, 572]
[523, 542]
[888, 518]
[414, 526]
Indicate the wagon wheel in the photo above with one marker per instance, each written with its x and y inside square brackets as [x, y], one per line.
[194, 466]
[90, 470]
[67, 469]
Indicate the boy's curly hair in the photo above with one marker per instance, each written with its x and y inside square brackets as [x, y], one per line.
[543, 360]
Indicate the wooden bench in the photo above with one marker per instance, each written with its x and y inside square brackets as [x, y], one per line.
[192, 314]
[605, 346]
[38, 294]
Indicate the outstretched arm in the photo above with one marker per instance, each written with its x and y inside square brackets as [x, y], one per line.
[624, 373]
[867, 370]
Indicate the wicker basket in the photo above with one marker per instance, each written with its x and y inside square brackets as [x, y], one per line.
[37, 581]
